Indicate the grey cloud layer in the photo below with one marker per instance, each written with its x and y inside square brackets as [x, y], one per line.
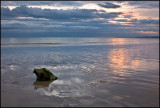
[109, 5]
[71, 22]
[142, 21]
[73, 14]
[19, 3]
[144, 4]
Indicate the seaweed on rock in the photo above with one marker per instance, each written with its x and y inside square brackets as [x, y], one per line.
[44, 75]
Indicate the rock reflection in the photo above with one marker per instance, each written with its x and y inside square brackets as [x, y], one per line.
[41, 84]
[60, 88]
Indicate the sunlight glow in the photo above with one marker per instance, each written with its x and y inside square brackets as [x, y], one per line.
[119, 57]
[10, 7]
[90, 6]
[148, 32]
[123, 58]
[118, 41]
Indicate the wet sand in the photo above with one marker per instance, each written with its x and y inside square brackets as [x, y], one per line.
[100, 76]
[100, 93]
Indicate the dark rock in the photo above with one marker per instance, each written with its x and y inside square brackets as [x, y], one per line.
[44, 75]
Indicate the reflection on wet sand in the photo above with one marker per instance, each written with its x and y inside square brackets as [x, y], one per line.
[118, 41]
[122, 59]
[60, 88]
[100, 75]
[41, 84]
[119, 57]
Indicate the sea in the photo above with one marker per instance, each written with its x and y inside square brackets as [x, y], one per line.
[91, 71]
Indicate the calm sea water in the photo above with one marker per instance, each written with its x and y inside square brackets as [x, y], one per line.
[90, 71]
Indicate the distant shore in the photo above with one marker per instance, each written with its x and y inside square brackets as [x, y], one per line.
[81, 36]
[30, 43]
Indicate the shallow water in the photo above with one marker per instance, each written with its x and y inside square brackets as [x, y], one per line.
[90, 71]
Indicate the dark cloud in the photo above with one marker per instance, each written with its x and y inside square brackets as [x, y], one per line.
[144, 4]
[71, 22]
[109, 5]
[6, 13]
[144, 21]
[149, 21]
[14, 26]
[138, 21]
[74, 14]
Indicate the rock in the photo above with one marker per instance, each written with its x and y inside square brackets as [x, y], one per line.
[44, 75]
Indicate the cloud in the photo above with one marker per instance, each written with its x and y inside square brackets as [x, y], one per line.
[6, 13]
[37, 3]
[136, 21]
[144, 4]
[95, 21]
[149, 21]
[109, 5]
[72, 14]
[148, 32]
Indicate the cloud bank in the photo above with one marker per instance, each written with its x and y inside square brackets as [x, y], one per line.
[79, 18]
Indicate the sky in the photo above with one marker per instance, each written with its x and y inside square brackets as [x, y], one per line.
[80, 18]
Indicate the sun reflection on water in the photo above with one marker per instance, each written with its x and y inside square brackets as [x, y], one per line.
[119, 57]
[123, 59]
[118, 41]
